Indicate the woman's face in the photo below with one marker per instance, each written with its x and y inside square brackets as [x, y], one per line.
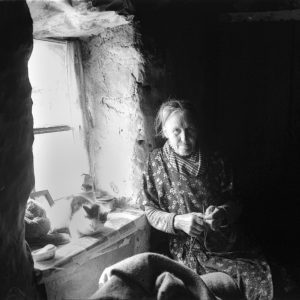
[181, 132]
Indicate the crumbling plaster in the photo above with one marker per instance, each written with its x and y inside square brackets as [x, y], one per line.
[60, 19]
[118, 143]
[117, 109]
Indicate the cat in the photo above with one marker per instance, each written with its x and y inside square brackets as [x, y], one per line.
[77, 214]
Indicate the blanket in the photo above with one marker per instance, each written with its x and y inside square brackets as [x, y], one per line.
[153, 276]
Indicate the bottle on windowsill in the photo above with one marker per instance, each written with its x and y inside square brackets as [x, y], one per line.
[87, 187]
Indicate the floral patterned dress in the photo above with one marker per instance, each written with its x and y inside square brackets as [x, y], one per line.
[226, 250]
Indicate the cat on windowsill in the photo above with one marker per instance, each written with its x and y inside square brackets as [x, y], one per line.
[76, 215]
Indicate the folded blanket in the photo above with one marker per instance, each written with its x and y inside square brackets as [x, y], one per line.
[154, 276]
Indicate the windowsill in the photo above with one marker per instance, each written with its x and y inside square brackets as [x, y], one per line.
[120, 224]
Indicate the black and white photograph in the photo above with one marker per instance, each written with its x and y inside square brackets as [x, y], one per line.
[149, 149]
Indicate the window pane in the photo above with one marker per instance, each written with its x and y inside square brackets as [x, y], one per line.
[58, 164]
[48, 77]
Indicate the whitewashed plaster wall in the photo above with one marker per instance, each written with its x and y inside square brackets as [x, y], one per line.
[118, 142]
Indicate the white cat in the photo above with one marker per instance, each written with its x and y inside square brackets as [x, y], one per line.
[77, 214]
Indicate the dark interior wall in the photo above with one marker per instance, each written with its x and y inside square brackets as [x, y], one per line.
[243, 78]
[258, 75]
[16, 137]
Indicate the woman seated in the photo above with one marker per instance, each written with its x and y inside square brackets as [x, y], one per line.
[188, 193]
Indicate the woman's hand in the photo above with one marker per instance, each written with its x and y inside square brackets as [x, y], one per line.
[215, 217]
[191, 223]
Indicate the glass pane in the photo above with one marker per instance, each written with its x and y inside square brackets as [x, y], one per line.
[48, 77]
[58, 164]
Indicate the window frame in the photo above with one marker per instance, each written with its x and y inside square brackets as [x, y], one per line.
[76, 100]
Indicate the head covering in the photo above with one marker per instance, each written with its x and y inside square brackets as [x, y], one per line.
[189, 165]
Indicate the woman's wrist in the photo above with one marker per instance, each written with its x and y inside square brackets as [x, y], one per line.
[176, 222]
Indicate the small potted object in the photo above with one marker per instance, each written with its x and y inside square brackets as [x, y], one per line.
[106, 202]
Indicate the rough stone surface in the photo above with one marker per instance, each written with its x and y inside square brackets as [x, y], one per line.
[59, 19]
[117, 139]
[16, 137]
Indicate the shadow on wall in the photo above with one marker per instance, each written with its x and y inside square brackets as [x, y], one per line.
[247, 102]
[257, 113]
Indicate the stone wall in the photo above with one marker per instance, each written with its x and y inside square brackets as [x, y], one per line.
[16, 136]
[117, 135]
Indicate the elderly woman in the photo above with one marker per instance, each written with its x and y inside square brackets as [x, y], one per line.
[189, 195]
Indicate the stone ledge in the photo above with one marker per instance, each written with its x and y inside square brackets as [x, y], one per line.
[120, 224]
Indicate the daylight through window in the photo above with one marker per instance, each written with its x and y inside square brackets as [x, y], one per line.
[59, 155]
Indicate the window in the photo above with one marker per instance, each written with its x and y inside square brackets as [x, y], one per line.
[59, 154]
